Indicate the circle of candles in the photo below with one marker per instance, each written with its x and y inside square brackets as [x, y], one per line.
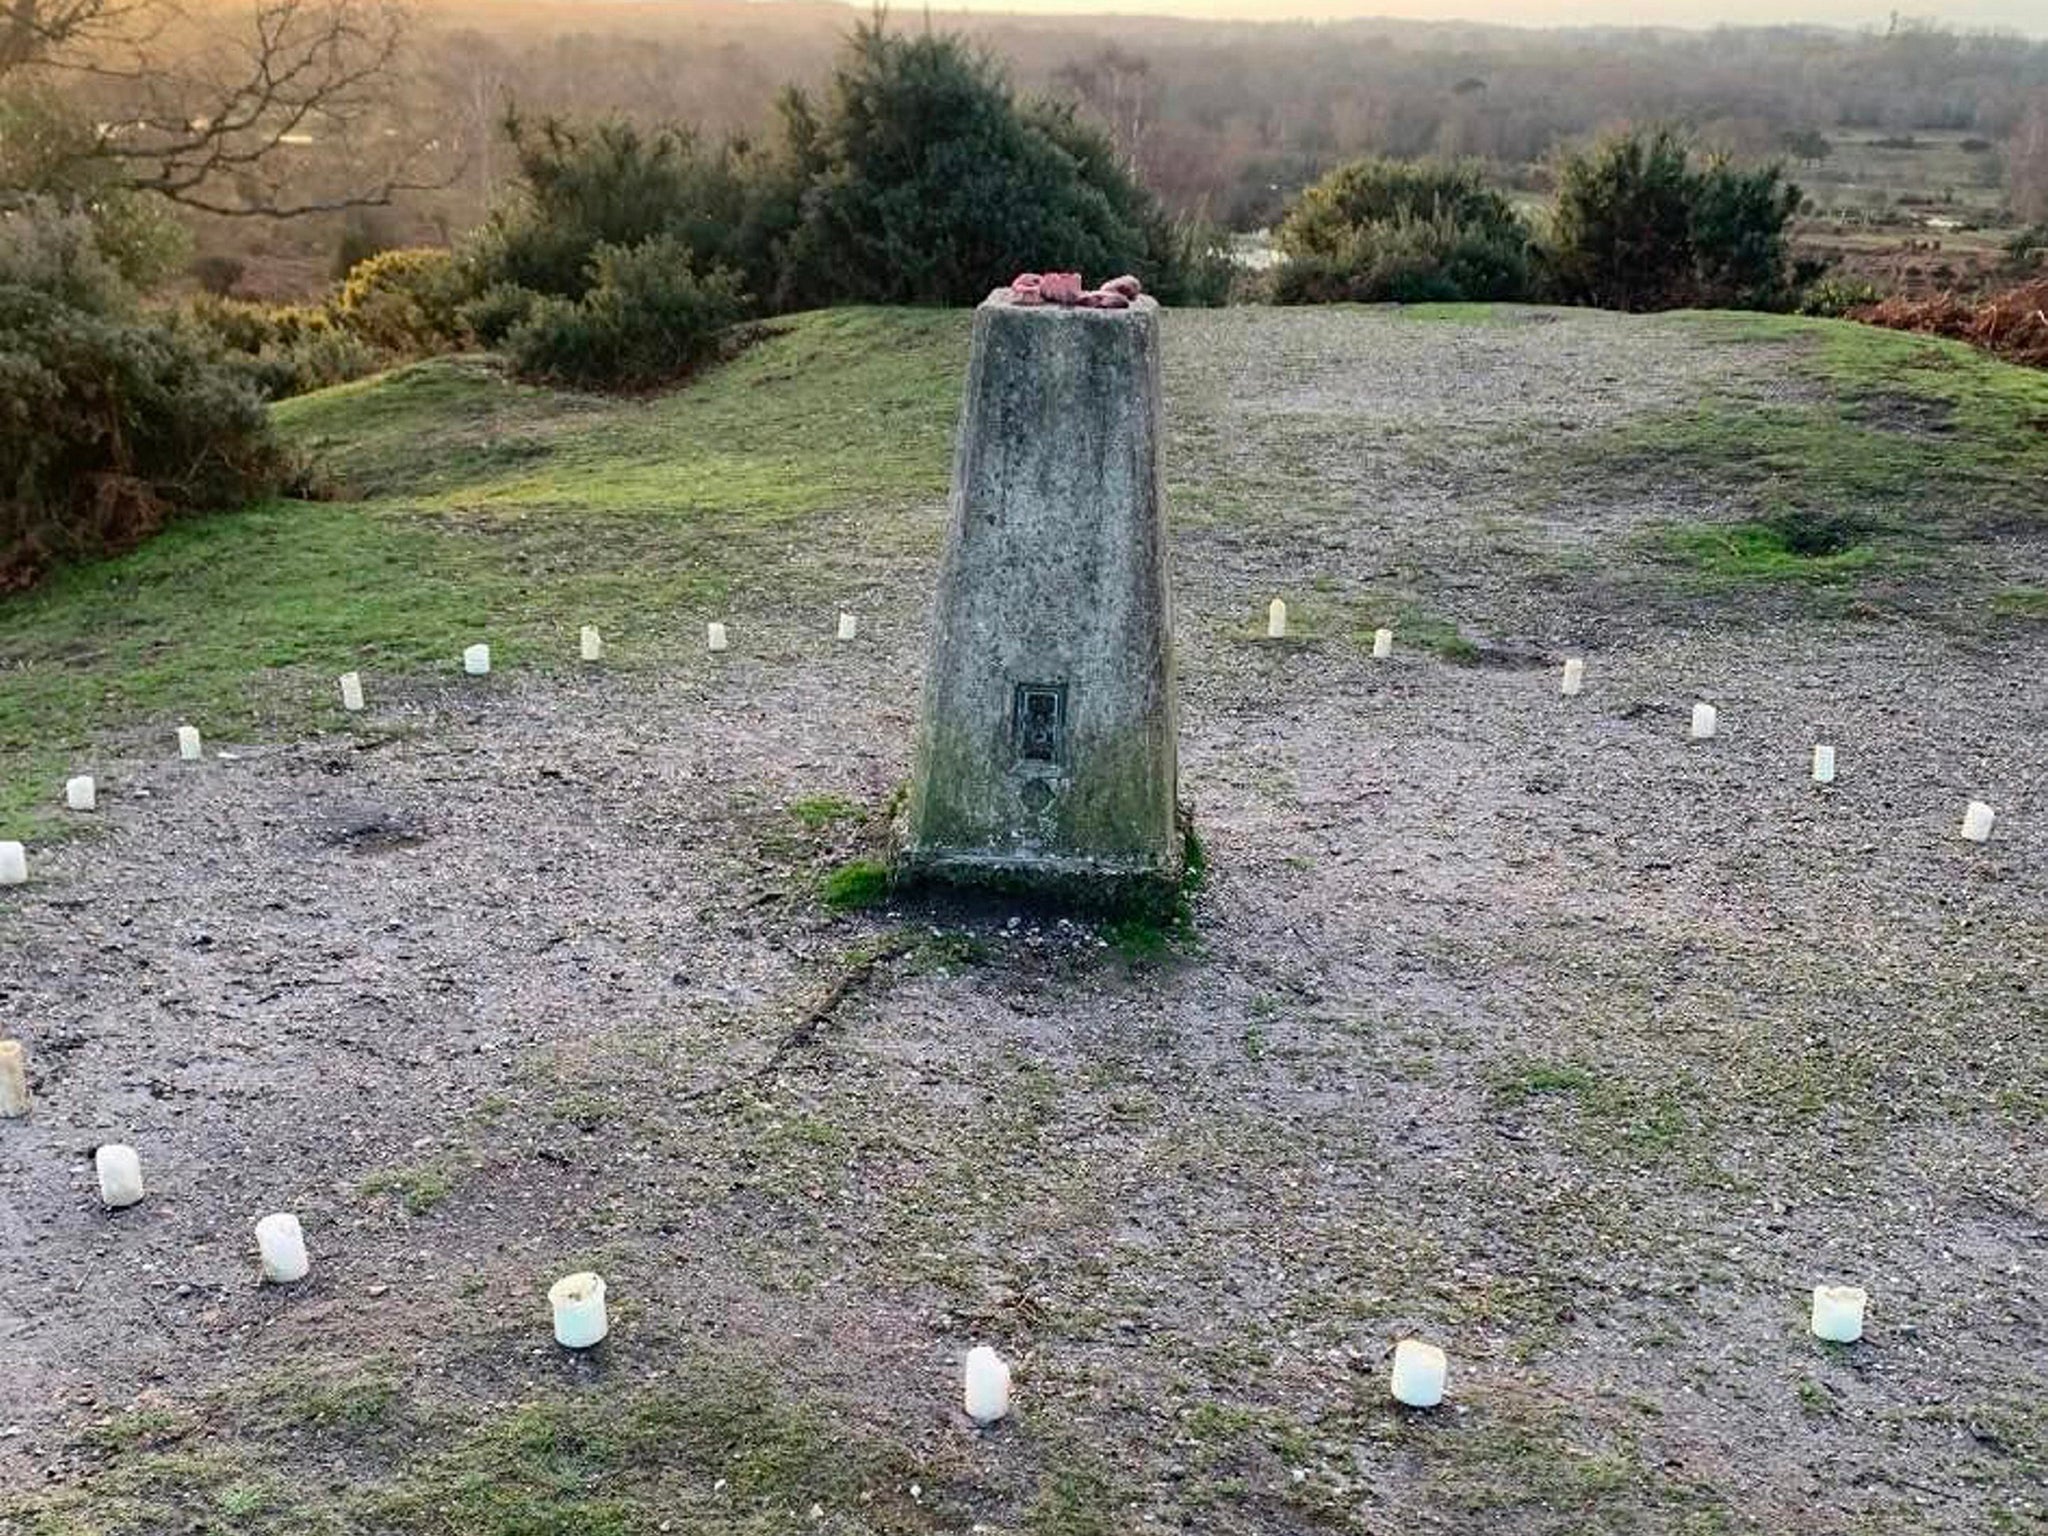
[1419, 1370]
[1838, 1313]
[282, 1243]
[476, 660]
[590, 643]
[1977, 822]
[1382, 643]
[985, 1385]
[14, 1097]
[580, 1319]
[120, 1170]
[714, 637]
[1276, 620]
[1574, 677]
[1823, 764]
[849, 626]
[13, 864]
[1705, 721]
[352, 691]
[188, 743]
[81, 794]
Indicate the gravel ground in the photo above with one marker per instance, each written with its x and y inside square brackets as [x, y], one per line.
[1516, 1022]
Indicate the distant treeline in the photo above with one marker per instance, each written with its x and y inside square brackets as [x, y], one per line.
[1225, 120]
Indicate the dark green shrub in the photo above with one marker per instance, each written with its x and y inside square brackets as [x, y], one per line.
[1638, 226]
[217, 274]
[933, 184]
[1834, 297]
[612, 184]
[492, 314]
[646, 319]
[1376, 230]
[109, 422]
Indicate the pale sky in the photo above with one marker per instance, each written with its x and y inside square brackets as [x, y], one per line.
[2028, 16]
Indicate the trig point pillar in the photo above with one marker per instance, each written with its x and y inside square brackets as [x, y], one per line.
[1046, 753]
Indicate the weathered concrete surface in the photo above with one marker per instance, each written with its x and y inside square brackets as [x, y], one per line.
[1046, 753]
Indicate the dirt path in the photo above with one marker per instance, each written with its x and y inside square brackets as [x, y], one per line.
[1514, 1021]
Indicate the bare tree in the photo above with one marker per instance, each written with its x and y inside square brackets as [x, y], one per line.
[2027, 161]
[294, 113]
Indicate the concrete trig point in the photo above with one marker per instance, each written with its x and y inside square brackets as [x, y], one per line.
[1046, 753]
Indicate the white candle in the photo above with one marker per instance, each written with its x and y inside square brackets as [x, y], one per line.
[1976, 824]
[120, 1171]
[1823, 764]
[1705, 720]
[352, 691]
[985, 1385]
[1838, 1313]
[1574, 677]
[81, 794]
[591, 643]
[849, 626]
[1419, 1371]
[188, 743]
[282, 1243]
[1383, 643]
[476, 660]
[578, 1301]
[714, 636]
[13, 864]
[1276, 620]
[13, 1080]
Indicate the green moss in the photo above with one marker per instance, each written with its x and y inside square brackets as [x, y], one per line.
[821, 811]
[1788, 547]
[419, 1189]
[2029, 603]
[852, 886]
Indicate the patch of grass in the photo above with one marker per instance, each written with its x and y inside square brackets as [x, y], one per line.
[1907, 440]
[717, 1451]
[2021, 603]
[602, 512]
[1613, 1110]
[419, 1189]
[821, 811]
[856, 885]
[1788, 547]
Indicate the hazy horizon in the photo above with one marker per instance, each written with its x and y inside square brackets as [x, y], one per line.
[2028, 17]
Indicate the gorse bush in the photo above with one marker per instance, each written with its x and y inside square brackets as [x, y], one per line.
[645, 319]
[1376, 230]
[1640, 226]
[406, 302]
[920, 179]
[110, 422]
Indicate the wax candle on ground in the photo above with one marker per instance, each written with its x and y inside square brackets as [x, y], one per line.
[282, 1244]
[476, 660]
[714, 636]
[578, 1301]
[1977, 822]
[985, 1383]
[13, 1080]
[188, 743]
[352, 691]
[1383, 643]
[1419, 1371]
[849, 626]
[1838, 1313]
[1705, 721]
[13, 864]
[1574, 677]
[81, 794]
[1276, 620]
[1823, 764]
[120, 1171]
[592, 643]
